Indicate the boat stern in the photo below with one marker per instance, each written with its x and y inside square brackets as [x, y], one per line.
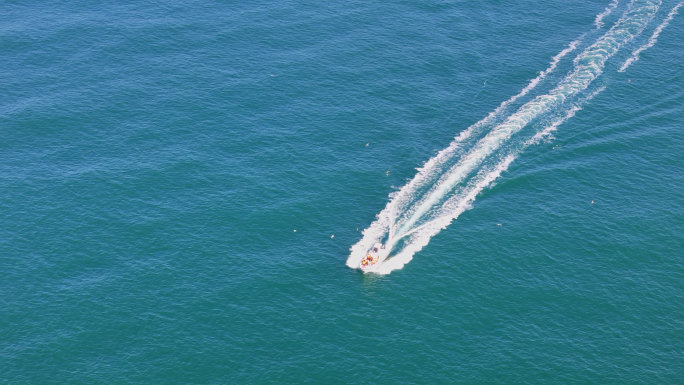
[373, 257]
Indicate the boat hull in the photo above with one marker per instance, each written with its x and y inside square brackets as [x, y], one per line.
[373, 258]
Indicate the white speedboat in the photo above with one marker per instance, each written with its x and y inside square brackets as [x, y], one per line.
[374, 257]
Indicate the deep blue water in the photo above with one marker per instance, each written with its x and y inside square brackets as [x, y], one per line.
[157, 158]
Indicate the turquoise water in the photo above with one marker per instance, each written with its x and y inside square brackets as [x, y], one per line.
[157, 159]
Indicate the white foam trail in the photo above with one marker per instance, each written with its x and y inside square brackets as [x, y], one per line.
[652, 40]
[533, 83]
[600, 16]
[548, 130]
[433, 164]
[588, 65]
[455, 206]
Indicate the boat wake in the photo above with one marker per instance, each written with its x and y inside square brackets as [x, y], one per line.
[652, 40]
[449, 182]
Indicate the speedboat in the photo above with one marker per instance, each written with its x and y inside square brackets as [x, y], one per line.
[374, 257]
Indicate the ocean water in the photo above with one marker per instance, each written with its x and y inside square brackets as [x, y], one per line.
[186, 190]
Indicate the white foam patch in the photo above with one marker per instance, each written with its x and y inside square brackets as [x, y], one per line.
[409, 206]
[608, 10]
[652, 40]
